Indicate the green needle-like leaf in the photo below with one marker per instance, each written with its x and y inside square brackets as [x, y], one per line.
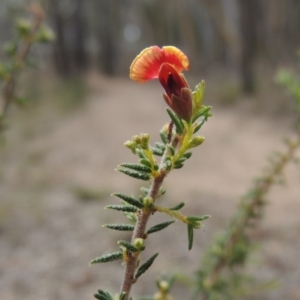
[202, 112]
[178, 206]
[190, 235]
[187, 155]
[135, 174]
[196, 218]
[145, 162]
[160, 226]
[136, 167]
[120, 227]
[107, 257]
[122, 296]
[157, 151]
[102, 295]
[144, 267]
[129, 200]
[128, 246]
[177, 122]
[164, 137]
[123, 208]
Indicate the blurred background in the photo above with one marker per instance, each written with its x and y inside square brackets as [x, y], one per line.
[59, 151]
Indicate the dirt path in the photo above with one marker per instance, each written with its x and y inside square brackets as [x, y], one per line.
[48, 235]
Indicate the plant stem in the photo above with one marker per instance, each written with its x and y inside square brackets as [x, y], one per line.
[143, 216]
[139, 232]
[9, 87]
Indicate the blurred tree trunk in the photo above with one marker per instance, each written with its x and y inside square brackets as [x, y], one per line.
[108, 34]
[80, 57]
[224, 16]
[249, 18]
[61, 55]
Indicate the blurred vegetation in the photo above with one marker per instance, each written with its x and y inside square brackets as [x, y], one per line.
[106, 35]
[223, 271]
[28, 33]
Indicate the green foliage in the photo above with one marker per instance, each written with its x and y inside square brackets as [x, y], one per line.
[221, 274]
[28, 33]
[107, 257]
[159, 227]
[120, 227]
[174, 150]
[130, 200]
[124, 208]
[145, 266]
[292, 83]
[135, 174]
[176, 120]
[102, 295]
[128, 246]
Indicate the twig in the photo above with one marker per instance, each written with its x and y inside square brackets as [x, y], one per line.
[253, 203]
[9, 87]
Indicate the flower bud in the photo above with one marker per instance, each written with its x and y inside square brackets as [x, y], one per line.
[196, 141]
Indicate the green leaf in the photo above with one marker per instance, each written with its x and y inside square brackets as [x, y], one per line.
[178, 165]
[157, 151]
[128, 246]
[144, 267]
[107, 257]
[202, 112]
[163, 136]
[120, 227]
[129, 200]
[197, 128]
[176, 120]
[198, 95]
[171, 149]
[123, 208]
[145, 162]
[131, 217]
[140, 153]
[122, 296]
[190, 235]
[178, 206]
[135, 174]
[168, 164]
[160, 146]
[102, 295]
[159, 227]
[198, 218]
[187, 155]
[136, 167]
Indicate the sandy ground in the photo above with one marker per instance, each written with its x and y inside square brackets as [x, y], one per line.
[48, 235]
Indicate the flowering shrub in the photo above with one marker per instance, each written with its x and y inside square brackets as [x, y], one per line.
[187, 115]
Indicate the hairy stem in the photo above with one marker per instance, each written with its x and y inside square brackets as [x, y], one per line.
[139, 232]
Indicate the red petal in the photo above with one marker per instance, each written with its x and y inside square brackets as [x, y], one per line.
[176, 58]
[171, 81]
[147, 64]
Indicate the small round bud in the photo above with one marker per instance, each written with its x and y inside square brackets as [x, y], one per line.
[148, 202]
[139, 243]
[197, 141]
[164, 285]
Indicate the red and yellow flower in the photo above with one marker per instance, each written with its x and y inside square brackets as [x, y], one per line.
[166, 64]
